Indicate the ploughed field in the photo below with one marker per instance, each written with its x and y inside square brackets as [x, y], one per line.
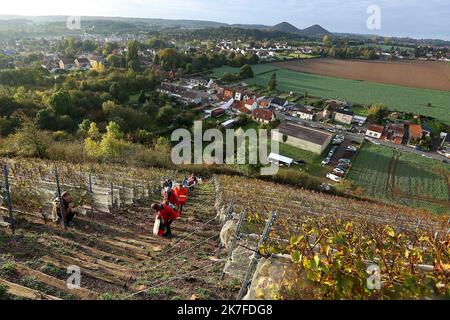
[419, 74]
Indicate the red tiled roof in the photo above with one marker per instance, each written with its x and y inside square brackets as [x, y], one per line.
[240, 106]
[250, 102]
[263, 114]
[376, 128]
[264, 103]
[415, 131]
[398, 140]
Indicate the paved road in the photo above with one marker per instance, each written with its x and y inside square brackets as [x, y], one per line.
[359, 137]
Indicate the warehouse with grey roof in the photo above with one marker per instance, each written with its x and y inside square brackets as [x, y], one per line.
[302, 137]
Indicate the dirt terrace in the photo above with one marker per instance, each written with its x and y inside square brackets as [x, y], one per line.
[118, 255]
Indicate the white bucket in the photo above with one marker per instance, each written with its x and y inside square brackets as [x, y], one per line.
[156, 226]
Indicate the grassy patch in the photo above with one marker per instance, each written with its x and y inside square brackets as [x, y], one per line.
[8, 268]
[402, 178]
[52, 270]
[202, 294]
[158, 292]
[3, 292]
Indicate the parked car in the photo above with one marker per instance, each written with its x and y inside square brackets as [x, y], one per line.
[346, 161]
[338, 170]
[343, 165]
[334, 177]
[326, 161]
[339, 174]
[352, 149]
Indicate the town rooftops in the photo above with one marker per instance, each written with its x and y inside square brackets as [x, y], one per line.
[304, 133]
[376, 128]
[263, 114]
[239, 106]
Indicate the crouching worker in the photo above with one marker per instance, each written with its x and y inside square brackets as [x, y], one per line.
[165, 216]
[181, 193]
[69, 212]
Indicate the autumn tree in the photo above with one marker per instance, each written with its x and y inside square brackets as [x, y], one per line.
[272, 86]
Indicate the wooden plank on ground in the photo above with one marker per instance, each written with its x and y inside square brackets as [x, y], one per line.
[84, 271]
[94, 252]
[24, 292]
[54, 282]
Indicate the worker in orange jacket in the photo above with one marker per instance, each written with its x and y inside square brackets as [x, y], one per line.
[181, 193]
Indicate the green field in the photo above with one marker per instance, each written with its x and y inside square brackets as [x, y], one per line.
[397, 98]
[402, 178]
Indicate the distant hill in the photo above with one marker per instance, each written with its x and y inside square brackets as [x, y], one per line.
[315, 31]
[159, 24]
[285, 27]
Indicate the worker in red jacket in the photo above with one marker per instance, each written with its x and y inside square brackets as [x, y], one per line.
[167, 215]
[171, 198]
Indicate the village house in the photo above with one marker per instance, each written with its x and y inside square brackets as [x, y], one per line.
[82, 63]
[359, 120]
[305, 113]
[217, 112]
[145, 62]
[242, 94]
[278, 103]
[445, 144]
[239, 107]
[66, 64]
[302, 137]
[172, 89]
[263, 103]
[251, 104]
[344, 116]
[263, 116]
[415, 134]
[375, 131]
[228, 94]
[394, 133]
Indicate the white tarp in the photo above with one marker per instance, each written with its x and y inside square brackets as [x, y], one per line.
[279, 158]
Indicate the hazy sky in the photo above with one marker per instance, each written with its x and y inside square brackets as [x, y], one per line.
[415, 18]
